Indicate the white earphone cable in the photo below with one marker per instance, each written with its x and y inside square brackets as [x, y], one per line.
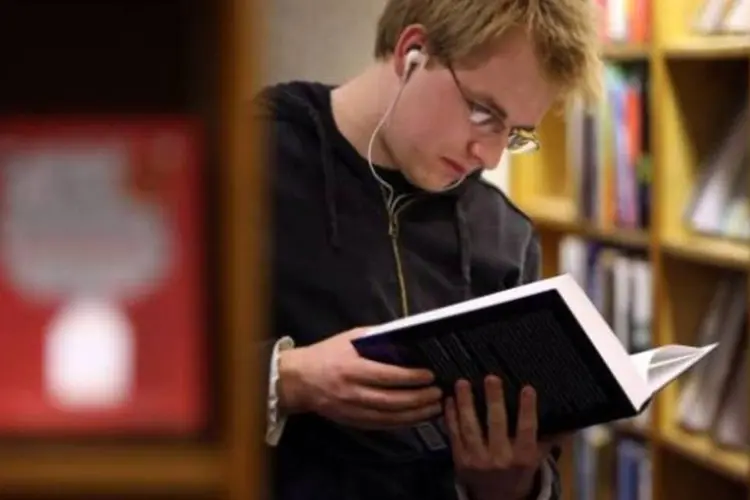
[391, 201]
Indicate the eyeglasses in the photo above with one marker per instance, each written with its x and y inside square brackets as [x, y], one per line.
[489, 124]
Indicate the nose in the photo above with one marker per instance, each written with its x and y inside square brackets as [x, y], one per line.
[486, 155]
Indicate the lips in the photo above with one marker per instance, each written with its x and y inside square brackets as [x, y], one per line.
[455, 167]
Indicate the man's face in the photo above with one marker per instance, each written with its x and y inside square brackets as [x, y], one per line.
[451, 121]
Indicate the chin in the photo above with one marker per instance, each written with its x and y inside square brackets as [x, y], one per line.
[443, 183]
[431, 182]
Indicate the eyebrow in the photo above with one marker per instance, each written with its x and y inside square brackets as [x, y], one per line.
[488, 102]
[485, 100]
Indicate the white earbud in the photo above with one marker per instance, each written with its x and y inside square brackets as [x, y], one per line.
[415, 58]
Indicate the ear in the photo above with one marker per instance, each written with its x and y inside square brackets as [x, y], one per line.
[412, 36]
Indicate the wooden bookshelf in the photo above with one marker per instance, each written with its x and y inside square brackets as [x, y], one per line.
[122, 57]
[98, 469]
[695, 84]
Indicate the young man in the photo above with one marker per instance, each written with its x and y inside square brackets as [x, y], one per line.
[379, 211]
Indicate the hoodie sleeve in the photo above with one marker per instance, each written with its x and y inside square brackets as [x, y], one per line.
[261, 111]
[275, 420]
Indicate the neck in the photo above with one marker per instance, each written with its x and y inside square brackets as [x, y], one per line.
[358, 106]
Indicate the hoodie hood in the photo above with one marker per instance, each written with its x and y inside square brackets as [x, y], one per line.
[298, 103]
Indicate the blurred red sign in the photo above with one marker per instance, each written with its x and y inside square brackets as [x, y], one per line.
[101, 284]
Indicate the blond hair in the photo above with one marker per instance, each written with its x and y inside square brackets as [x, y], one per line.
[564, 34]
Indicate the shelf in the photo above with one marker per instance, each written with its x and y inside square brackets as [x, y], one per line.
[634, 239]
[79, 469]
[709, 47]
[631, 429]
[558, 216]
[626, 52]
[702, 450]
[714, 251]
[551, 209]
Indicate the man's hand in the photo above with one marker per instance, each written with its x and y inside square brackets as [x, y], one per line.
[332, 380]
[495, 467]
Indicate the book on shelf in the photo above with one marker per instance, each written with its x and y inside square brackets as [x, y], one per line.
[713, 397]
[737, 20]
[619, 283]
[594, 462]
[624, 21]
[722, 17]
[633, 470]
[609, 151]
[609, 466]
[547, 334]
[720, 203]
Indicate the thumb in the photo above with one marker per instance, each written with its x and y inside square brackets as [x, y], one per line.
[354, 332]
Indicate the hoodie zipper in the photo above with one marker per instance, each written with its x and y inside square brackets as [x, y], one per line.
[393, 233]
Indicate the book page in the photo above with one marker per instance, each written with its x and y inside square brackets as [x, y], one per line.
[669, 362]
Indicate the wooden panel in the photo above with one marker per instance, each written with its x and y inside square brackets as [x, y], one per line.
[168, 56]
[244, 209]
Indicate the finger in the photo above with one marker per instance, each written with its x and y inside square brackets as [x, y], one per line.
[396, 399]
[525, 448]
[374, 373]
[468, 423]
[454, 432]
[497, 419]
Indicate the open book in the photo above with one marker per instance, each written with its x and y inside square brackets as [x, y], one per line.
[547, 334]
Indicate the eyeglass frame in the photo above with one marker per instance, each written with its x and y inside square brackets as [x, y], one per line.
[522, 133]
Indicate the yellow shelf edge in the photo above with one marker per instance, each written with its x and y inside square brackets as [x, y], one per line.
[709, 46]
[633, 238]
[626, 51]
[734, 464]
[714, 251]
